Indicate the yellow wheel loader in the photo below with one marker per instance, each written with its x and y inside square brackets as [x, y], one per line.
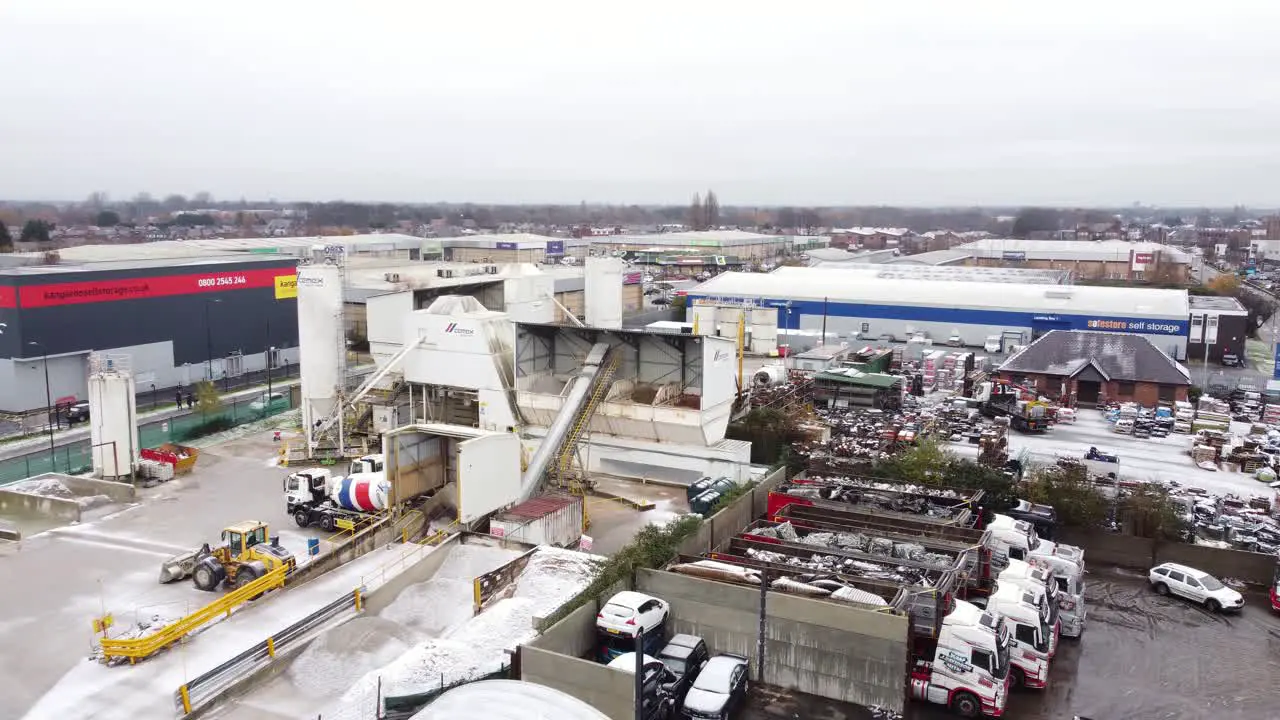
[247, 553]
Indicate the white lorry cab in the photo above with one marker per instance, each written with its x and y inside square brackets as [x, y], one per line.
[969, 672]
[1067, 579]
[1034, 639]
[1020, 541]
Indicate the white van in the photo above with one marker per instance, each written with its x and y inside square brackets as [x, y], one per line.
[992, 344]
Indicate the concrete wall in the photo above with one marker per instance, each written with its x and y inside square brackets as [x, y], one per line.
[612, 692]
[813, 646]
[421, 571]
[16, 503]
[1142, 553]
[365, 541]
[118, 492]
[574, 636]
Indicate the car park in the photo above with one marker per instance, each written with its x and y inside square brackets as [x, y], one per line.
[685, 656]
[1194, 585]
[720, 689]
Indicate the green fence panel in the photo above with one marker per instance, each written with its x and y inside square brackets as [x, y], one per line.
[76, 457]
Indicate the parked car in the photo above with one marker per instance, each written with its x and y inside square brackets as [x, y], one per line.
[684, 656]
[1232, 360]
[78, 413]
[955, 340]
[658, 702]
[719, 689]
[1194, 585]
[661, 300]
[628, 611]
[651, 290]
[270, 402]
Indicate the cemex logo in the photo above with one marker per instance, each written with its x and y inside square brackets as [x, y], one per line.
[453, 329]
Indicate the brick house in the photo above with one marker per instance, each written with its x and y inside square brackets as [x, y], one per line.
[1085, 367]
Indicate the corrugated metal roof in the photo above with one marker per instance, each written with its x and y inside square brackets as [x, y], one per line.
[1104, 250]
[538, 507]
[819, 284]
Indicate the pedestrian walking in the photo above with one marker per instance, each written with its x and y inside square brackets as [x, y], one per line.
[177, 397]
[191, 401]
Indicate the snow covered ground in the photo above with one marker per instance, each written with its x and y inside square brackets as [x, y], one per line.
[93, 690]
[425, 636]
[1153, 459]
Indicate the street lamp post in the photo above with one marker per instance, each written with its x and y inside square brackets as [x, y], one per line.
[208, 340]
[48, 398]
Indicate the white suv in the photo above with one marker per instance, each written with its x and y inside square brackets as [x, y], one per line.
[1196, 585]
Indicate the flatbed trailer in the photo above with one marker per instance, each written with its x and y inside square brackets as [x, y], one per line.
[957, 515]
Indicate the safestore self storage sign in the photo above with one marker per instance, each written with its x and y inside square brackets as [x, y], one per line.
[286, 287]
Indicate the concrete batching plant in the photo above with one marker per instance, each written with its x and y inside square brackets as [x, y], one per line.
[323, 348]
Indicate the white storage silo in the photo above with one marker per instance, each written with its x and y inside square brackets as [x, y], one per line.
[113, 417]
[603, 291]
[321, 341]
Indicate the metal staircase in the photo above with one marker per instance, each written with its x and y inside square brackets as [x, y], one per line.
[567, 472]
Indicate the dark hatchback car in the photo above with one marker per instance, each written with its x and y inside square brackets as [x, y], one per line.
[78, 412]
[719, 690]
[684, 656]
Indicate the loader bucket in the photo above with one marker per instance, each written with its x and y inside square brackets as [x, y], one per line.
[177, 567]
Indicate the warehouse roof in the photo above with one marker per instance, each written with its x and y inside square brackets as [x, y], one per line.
[507, 241]
[853, 376]
[708, 238]
[1217, 303]
[821, 284]
[1073, 250]
[1117, 356]
[212, 247]
[959, 273]
[935, 257]
[63, 266]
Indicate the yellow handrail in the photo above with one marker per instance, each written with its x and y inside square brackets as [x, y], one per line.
[141, 648]
[584, 417]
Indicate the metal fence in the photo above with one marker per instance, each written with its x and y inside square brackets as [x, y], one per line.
[209, 685]
[402, 707]
[74, 458]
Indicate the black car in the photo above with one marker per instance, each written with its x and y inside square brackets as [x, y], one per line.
[684, 656]
[719, 689]
[656, 702]
[78, 412]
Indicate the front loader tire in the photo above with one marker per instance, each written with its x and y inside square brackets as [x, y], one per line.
[208, 574]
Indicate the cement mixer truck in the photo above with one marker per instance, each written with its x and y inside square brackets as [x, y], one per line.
[314, 497]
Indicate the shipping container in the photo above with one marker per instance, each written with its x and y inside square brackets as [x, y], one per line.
[552, 519]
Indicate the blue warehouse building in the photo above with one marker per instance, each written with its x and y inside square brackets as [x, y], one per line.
[803, 303]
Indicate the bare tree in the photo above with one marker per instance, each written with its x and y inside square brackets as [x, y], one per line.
[697, 213]
[710, 211]
[175, 202]
[96, 200]
[202, 199]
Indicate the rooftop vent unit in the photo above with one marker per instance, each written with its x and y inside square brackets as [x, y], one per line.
[392, 277]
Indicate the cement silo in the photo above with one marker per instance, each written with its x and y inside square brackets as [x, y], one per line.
[113, 417]
[603, 290]
[321, 343]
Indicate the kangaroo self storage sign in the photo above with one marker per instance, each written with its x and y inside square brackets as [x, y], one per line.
[93, 291]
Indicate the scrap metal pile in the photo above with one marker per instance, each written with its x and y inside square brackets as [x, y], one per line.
[848, 566]
[881, 500]
[810, 584]
[861, 437]
[859, 542]
[1227, 521]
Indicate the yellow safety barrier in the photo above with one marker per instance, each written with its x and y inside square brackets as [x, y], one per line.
[144, 647]
[186, 699]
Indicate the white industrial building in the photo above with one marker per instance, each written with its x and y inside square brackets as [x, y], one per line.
[956, 273]
[796, 306]
[496, 405]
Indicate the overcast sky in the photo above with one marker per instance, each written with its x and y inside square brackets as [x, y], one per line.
[916, 102]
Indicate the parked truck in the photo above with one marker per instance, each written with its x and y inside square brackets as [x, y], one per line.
[314, 497]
